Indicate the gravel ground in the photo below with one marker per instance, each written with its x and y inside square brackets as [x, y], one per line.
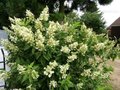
[115, 77]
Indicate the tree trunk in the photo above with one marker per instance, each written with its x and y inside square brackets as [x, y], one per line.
[61, 8]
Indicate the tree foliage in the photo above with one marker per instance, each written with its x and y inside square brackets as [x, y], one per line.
[17, 8]
[94, 20]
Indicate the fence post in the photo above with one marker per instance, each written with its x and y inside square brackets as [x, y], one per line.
[4, 66]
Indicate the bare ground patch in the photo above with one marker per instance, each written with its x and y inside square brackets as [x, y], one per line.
[115, 77]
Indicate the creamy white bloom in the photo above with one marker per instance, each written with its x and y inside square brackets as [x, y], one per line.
[72, 58]
[52, 26]
[79, 86]
[48, 71]
[20, 68]
[39, 45]
[29, 14]
[38, 25]
[65, 27]
[89, 32]
[95, 74]
[91, 61]
[83, 27]
[59, 26]
[3, 75]
[63, 70]
[83, 48]
[44, 15]
[17, 20]
[53, 64]
[30, 87]
[65, 49]
[12, 20]
[24, 33]
[87, 72]
[13, 38]
[99, 46]
[53, 83]
[73, 45]
[69, 38]
[9, 46]
[51, 29]
[39, 36]
[39, 40]
[52, 42]
[34, 74]
[105, 75]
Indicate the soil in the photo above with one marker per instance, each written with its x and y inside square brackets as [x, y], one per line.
[115, 77]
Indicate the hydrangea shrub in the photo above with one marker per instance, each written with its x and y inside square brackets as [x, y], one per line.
[47, 55]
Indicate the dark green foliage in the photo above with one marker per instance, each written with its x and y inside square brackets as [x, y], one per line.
[3, 14]
[17, 8]
[103, 2]
[94, 20]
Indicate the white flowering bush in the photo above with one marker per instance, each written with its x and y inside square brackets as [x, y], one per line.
[47, 55]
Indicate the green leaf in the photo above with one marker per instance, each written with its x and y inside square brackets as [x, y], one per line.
[37, 55]
[33, 51]
[24, 78]
[26, 47]
[65, 87]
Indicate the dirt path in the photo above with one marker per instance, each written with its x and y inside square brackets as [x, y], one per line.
[115, 77]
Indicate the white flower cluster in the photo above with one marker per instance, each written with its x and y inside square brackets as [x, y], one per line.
[86, 72]
[65, 49]
[59, 26]
[91, 61]
[65, 27]
[22, 70]
[51, 29]
[52, 42]
[69, 39]
[29, 14]
[105, 75]
[99, 46]
[23, 32]
[83, 48]
[88, 32]
[15, 20]
[44, 14]
[48, 71]
[83, 27]
[34, 74]
[39, 40]
[63, 70]
[95, 74]
[13, 39]
[3, 75]
[30, 87]
[72, 58]
[73, 45]
[53, 84]
[38, 25]
[9, 46]
[79, 86]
